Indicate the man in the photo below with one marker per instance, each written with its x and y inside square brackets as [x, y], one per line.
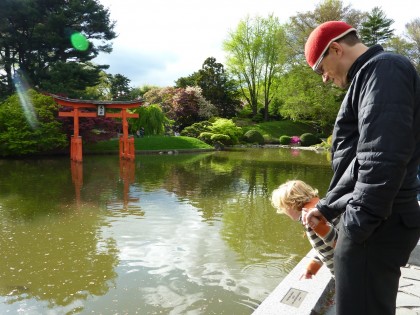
[375, 155]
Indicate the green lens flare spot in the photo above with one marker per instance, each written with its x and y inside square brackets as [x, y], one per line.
[79, 41]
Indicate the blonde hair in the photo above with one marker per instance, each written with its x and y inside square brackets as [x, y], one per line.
[292, 194]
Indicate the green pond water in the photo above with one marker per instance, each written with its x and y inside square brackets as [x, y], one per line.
[165, 234]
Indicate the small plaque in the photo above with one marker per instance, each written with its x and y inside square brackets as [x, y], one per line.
[101, 110]
[294, 297]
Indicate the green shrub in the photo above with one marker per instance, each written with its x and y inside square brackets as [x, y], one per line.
[226, 127]
[285, 140]
[196, 129]
[34, 130]
[246, 112]
[223, 139]
[206, 137]
[254, 136]
[308, 139]
[258, 118]
[270, 140]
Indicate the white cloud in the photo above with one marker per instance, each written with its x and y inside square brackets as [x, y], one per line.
[160, 41]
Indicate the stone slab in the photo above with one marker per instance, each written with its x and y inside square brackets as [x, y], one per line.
[298, 297]
[407, 300]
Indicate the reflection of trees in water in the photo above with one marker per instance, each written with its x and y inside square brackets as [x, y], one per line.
[64, 259]
[57, 260]
[237, 189]
[23, 183]
[51, 250]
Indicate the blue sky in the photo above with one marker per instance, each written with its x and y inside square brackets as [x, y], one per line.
[160, 41]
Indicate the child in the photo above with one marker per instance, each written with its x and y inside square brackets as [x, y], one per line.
[295, 196]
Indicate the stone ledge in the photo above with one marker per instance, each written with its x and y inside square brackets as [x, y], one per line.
[298, 297]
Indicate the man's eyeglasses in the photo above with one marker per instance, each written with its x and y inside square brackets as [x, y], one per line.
[317, 67]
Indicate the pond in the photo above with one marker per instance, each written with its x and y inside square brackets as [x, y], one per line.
[165, 234]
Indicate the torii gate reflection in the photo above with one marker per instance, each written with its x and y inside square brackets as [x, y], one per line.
[127, 175]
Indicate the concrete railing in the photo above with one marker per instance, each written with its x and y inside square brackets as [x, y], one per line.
[298, 297]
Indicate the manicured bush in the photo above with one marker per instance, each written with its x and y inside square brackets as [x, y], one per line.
[308, 139]
[196, 129]
[206, 137]
[219, 138]
[253, 136]
[227, 127]
[270, 140]
[285, 140]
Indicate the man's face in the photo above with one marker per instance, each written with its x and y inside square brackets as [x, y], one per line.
[331, 69]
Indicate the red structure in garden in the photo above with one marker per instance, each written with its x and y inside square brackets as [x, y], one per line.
[126, 142]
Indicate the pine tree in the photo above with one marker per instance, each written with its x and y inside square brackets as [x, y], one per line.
[376, 29]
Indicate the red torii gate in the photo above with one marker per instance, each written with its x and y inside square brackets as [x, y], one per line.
[126, 143]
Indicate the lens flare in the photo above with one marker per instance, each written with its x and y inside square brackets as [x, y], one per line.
[79, 41]
[22, 87]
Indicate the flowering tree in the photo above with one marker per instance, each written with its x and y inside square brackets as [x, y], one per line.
[183, 105]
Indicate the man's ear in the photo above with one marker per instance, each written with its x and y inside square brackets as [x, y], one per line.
[336, 48]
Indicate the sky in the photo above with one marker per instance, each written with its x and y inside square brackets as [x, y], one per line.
[160, 41]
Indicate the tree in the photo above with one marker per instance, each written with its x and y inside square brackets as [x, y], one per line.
[413, 34]
[184, 106]
[302, 95]
[71, 78]
[151, 118]
[399, 45]
[218, 88]
[376, 28]
[189, 106]
[302, 24]
[191, 80]
[274, 58]
[28, 125]
[216, 85]
[120, 89]
[161, 96]
[138, 92]
[306, 98]
[255, 57]
[36, 36]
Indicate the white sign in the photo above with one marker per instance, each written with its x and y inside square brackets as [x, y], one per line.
[101, 110]
[294, 297]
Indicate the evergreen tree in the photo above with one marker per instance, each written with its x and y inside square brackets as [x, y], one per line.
[37, 36]
[120, 87]
[218, 88]
[376, 29]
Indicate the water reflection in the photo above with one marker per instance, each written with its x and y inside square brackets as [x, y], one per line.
[163, 234]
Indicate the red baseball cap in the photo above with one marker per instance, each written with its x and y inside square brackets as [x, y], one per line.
[322, 37]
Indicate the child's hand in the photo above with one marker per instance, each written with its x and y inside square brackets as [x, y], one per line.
[313, 222]
[306, 275]
[310, 217]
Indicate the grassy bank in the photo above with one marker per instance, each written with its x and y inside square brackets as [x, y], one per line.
[276, 129]
[272, 130]
[152, 143]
